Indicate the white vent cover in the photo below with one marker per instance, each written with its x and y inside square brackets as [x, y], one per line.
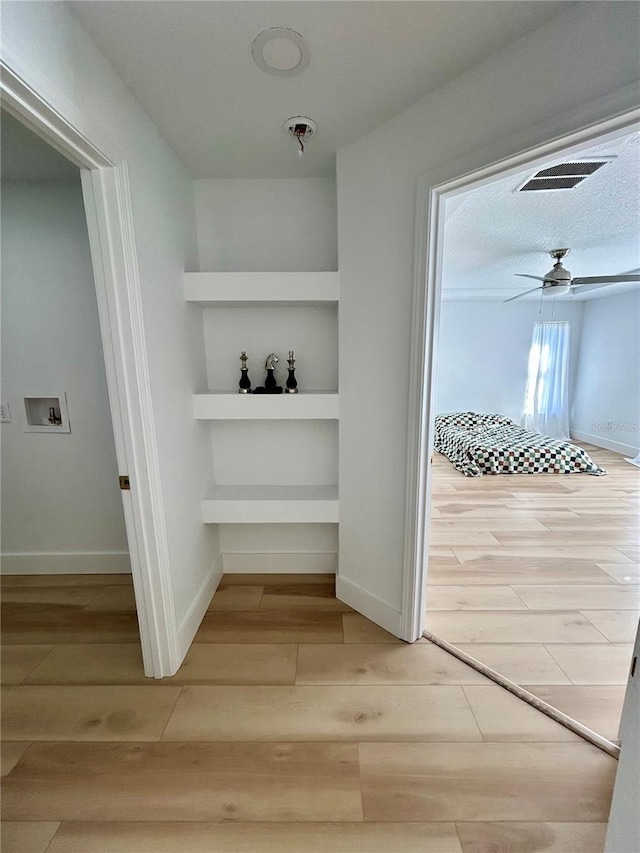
[563, 176]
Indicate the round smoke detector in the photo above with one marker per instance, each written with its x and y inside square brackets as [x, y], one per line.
[281, 51]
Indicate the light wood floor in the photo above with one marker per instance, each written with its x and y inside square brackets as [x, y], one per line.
[294, 726]
[538, 576]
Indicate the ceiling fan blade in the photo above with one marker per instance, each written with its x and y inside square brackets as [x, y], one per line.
[536, 277]
[581, 289]
[604, 279]
[511, 298]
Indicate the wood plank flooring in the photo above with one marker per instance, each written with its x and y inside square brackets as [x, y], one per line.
[294, 726]
[553, 601]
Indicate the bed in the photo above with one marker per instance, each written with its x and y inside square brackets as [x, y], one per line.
[479, 444]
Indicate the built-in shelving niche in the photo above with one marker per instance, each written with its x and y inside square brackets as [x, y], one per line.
[275, 457]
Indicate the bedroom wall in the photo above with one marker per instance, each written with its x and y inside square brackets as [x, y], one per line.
[483, 353]
[61, 505]
[505, 105]
[272, 225]
[607, 410]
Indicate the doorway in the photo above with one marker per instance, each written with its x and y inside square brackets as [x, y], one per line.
[471, 553]
[61, 500]
[65, 554]
[107, 204]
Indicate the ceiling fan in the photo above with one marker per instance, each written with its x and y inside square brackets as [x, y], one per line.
[559, 281]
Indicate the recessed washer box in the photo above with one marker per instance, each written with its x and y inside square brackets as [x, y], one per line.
[46, 413]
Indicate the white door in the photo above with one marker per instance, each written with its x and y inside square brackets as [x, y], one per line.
[623, 834]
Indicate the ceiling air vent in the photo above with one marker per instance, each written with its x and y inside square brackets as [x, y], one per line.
[564, 176]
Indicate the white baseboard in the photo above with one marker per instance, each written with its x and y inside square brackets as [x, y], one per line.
[369, 605]
[195, 614]
[298, 563]
[601, 441]
[60, 563]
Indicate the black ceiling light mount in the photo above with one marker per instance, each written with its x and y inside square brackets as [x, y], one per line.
[301, 128]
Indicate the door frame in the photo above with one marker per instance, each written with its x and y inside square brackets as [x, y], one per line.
[602, 118]
[109, 214]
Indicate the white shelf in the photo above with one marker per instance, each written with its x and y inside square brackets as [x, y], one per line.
[271, 505]
[282, 290]
[261, 288]
[234, 406]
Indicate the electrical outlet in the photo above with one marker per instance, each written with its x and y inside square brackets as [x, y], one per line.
[5, 413]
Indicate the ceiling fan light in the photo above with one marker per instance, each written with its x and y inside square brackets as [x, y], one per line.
[557, 290]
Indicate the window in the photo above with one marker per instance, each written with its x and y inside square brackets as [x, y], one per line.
[546, 407]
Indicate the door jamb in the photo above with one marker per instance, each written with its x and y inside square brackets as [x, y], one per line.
[432, 190]
[107, 199]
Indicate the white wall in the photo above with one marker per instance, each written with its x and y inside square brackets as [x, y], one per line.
[607, 411]
[518, 98]
[283, 225]
[45, 44]
[276, 453]
[60, 493]
[483, 354]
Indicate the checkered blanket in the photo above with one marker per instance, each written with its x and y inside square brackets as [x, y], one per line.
[494, 444]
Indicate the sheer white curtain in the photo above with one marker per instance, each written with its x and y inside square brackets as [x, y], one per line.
[546, 407]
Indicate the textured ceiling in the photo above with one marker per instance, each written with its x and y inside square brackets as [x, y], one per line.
[189, 64]
[25, 157]
[493, 232]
